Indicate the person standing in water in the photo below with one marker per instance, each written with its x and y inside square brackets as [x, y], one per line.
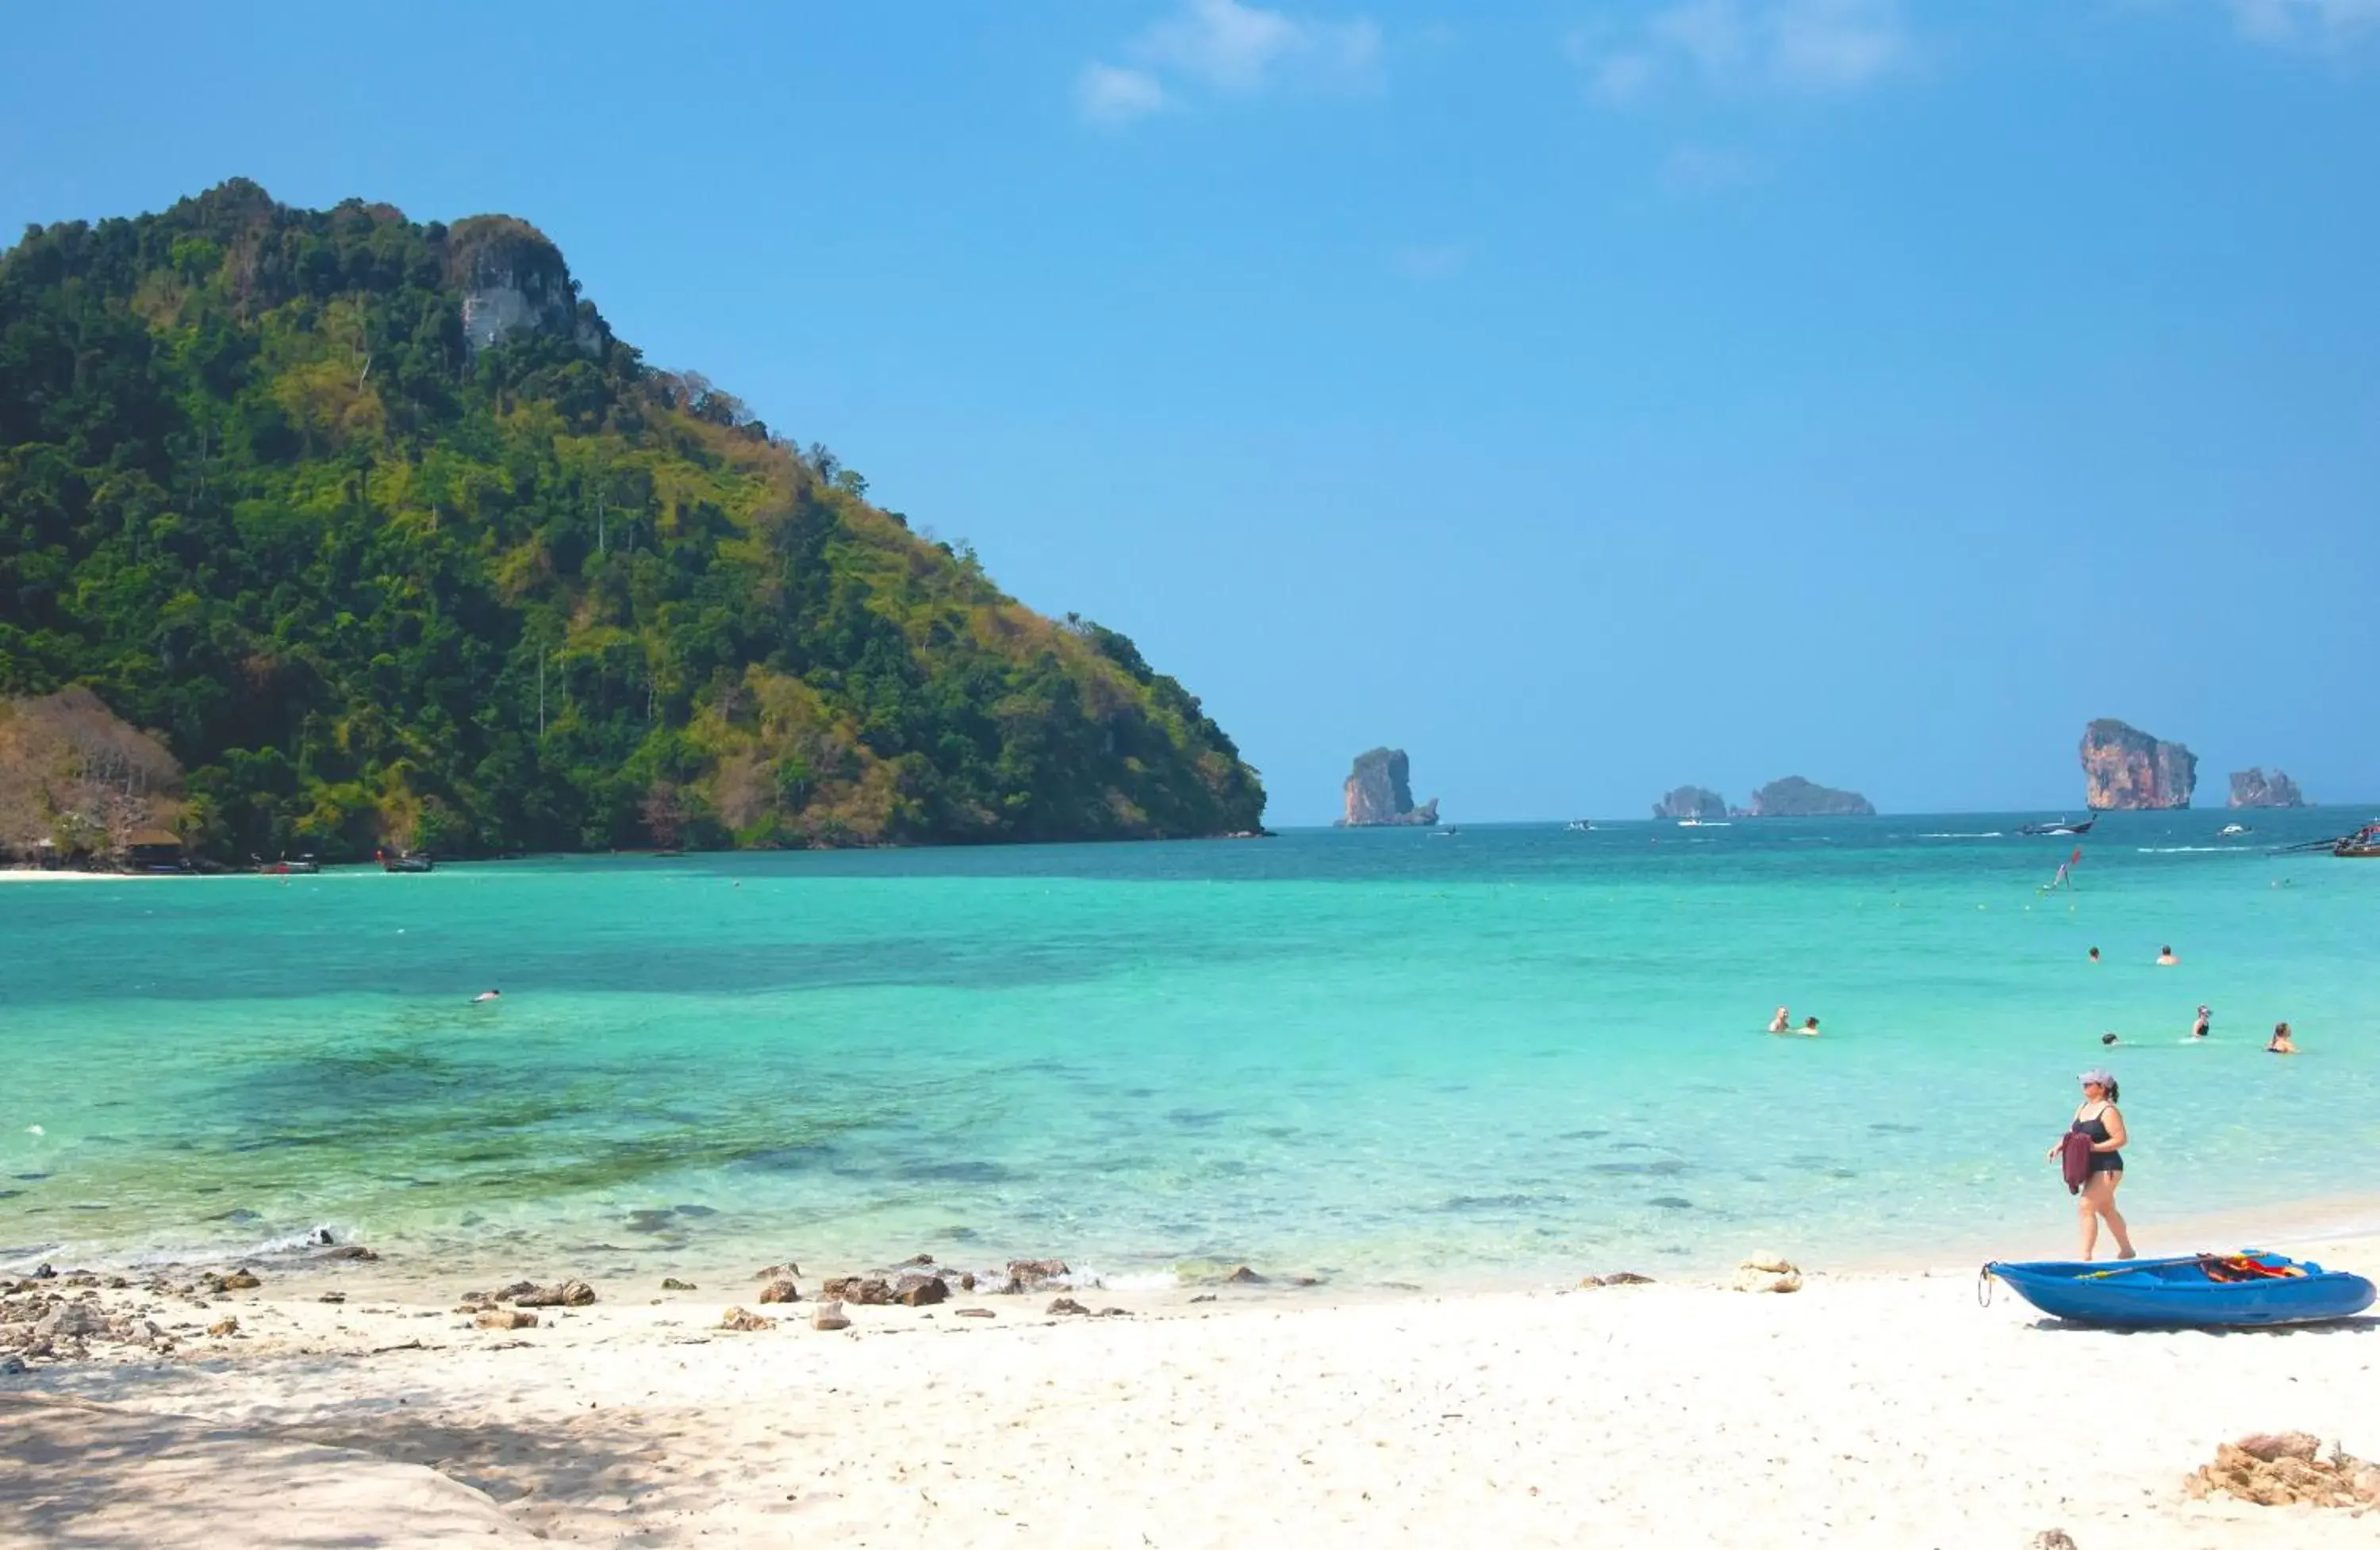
[2282, 1044]
[2166, 960]
[2198, 1029]
[2095, 955]
[2098, 1120]
[1783, 1022]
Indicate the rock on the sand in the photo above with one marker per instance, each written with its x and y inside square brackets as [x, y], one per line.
[741, 1319]
[1767, 1272]
[920, 1291]
[868, 1291]
[1026, 1275]
[507, 1319]
[781, 1290]
[1067, 1305]
[830, 1315]
[77, 1320]
[564, 1294]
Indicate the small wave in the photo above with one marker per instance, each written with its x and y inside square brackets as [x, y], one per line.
[202, 1252]
[1987, 834]
[2189, 850]
[1089, 1278]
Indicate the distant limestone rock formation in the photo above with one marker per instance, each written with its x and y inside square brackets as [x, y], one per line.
[1380, 791]
[2251, 789]
[2125, 767]
[1691, 802]
[1794, 797]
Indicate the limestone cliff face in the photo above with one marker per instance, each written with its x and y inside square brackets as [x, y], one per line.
[2251, 789]
[1794, 797]
[2125, 767]
[1691, 802]
[1379, 790]
[513, 280]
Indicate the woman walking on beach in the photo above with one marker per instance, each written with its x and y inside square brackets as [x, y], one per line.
[2097, 1122]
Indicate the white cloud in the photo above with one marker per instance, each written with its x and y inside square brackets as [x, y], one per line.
[2323, 23]
[1792, 46]
[1618, 80]
[1228, 48]
[1835, 44]
[1111, 94]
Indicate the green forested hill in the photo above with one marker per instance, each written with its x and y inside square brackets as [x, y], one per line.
[379, 528]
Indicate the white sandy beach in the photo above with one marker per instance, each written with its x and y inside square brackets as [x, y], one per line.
[1865, 1411]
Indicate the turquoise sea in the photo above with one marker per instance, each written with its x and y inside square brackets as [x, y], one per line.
[1382, 1057]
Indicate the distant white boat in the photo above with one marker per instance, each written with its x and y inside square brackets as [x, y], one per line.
[2231, 830]
[1704, 823]
[1579, 826]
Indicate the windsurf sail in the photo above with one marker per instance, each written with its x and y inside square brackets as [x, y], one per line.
[2065, 878]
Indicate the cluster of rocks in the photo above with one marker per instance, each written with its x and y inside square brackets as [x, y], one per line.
[1761, 1271]
[915, 1282]
[2287, 1470]
[1067, 1305]
[57, 1327]
[47, 1316]
[526, 1294]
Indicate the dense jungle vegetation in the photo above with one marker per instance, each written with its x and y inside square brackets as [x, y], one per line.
[381, 531]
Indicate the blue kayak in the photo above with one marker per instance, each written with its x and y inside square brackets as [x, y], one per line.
[2195, 1291]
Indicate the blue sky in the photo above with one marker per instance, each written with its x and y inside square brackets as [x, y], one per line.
[1588, 398]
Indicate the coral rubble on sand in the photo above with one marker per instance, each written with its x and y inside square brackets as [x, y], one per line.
[2286, 1470]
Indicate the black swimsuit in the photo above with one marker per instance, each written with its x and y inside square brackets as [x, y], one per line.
[2097, 1128]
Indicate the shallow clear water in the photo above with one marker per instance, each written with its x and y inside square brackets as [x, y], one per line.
[1384, 1056]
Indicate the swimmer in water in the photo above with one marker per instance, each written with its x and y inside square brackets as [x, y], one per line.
[1783, 1022]
[2198, 1029]
[2165, 959]
[487, 996]
[2107, 1038]
[2095, 955]
[1809, 1029]
[2282, 1044]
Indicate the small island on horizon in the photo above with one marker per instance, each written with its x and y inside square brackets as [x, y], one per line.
[2125, 768]
[1378, 794]
[1791, 797]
